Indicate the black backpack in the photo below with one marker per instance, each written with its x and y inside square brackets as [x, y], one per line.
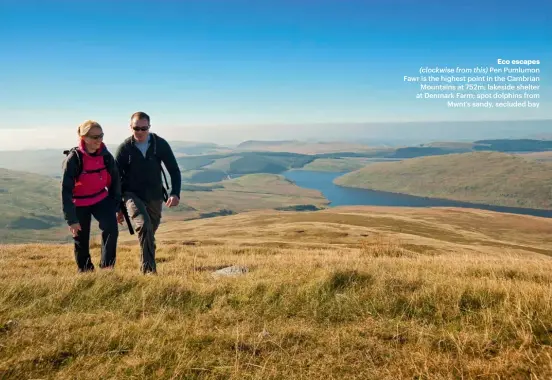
[78, 154]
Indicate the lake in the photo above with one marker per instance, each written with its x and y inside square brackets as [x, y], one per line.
[345, 196]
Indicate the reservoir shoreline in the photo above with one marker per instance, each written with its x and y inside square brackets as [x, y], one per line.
[339, 195]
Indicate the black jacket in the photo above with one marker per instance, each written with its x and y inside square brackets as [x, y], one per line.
[142, 175]
[70, 173]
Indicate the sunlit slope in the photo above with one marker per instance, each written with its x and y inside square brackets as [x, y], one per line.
[481, 177]
[30, 206]
[348, 292]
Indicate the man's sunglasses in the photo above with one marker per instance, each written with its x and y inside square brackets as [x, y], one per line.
[143, 129]
[96, 137]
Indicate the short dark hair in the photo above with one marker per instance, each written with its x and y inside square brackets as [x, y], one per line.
[140, 115]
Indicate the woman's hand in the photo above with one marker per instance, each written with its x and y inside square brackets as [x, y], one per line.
[75, 228]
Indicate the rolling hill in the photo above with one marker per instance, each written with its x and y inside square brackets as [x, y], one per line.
[349, 292]
[279, 156]
[544, 144]
[459, 145]
[246, 193]
[215, 168]
[343, 164]
[481, 177]
[514, 145]
[540, 156]
[30, 206]
[411, 152]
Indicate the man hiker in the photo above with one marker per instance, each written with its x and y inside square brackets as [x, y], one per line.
[139, 160]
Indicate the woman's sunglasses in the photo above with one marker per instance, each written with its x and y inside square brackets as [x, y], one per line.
[96, 137]
[143, 129]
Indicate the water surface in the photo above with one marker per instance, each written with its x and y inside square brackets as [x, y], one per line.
[346, 196]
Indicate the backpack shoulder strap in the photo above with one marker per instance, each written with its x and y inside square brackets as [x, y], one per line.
[79, 158]
[107, 161]
[154, 142]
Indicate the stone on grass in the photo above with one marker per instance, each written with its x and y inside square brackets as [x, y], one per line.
[231, 271]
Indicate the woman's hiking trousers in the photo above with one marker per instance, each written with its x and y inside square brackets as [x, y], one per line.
[105, 213]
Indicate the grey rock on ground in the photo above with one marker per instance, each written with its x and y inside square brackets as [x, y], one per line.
[231, 271]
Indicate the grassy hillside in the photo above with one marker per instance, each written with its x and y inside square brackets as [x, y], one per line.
[223, 163]
[214, 168]
[514, 145]
[411, 152]
[482, 177]
[428, 149]
[450, 145]
[196, 162]
[335, 164]
[204, 176]
[356, 293]
[30, 205]
[499, 145]
[250, 192]
[342, 164]
[540, 156]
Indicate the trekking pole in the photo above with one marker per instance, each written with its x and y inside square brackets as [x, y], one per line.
[125, 214]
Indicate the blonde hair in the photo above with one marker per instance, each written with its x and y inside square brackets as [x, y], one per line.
[85, 127]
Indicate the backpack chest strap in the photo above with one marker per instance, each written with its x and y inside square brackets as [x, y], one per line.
[93, 170]
[89, 195]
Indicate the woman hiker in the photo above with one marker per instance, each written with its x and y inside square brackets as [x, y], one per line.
[91, 186]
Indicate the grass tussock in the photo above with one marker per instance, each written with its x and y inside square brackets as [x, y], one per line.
[384, 247]
[379, 310]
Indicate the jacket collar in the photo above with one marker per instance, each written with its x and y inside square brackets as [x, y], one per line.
[99, 152]
[133, 140]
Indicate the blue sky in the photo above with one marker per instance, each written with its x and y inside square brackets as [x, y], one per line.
[225, 63]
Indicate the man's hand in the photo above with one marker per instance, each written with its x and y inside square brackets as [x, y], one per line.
[173, 201]
[75, 228]
[120, 217]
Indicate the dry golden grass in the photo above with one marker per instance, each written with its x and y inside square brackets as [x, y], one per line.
[544, 156]
[351, 292]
